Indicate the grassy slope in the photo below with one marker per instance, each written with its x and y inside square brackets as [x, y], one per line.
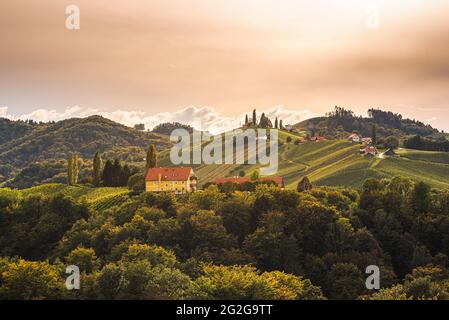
[99, 198]
[338, 162]
[335, 162]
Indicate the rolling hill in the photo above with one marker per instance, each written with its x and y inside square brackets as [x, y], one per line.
[34, 152]
[85, 136]
[338, 163]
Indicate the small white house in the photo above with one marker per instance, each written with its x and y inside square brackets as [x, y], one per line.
[355, 138]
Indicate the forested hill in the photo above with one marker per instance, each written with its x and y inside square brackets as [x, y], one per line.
[11, 130]
[24, 144]
[342, 121]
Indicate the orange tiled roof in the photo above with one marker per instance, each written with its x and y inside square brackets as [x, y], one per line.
[370, 149]
[169, 174]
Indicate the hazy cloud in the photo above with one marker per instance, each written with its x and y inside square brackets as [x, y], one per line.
[231, 54]
[201, 118]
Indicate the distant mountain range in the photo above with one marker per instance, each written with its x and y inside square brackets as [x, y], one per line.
[35, 153]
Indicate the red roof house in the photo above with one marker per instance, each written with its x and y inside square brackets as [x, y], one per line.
[179, 179]
[370, 151]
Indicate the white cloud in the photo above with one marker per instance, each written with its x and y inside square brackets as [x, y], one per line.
[201, 118]
[3, 112]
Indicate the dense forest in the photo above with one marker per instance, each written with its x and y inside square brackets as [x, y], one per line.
[223, 243]
[341, 121]
[419, 143]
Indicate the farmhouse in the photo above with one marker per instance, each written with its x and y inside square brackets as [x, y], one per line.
[277, 180]
[178, 180]
[355, 138]
[318, 139]
[369, 151]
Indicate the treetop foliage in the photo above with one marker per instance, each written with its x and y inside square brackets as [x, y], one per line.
[267, 243]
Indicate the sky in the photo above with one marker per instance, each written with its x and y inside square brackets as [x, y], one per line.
[207, 63]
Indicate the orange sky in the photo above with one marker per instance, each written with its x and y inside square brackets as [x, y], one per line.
[138, 58]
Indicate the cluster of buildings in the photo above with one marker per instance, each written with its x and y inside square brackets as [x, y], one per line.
[368, 150]
[356, 138]
[312, 139]
[181, 180]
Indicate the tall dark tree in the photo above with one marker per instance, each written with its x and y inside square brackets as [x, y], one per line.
[304, 185]
[421, 198]
[374, 134]
[151, 157]
[69, 170]
[254, 117]
[246, 120]
[116, 173]
[276, 123]
[96, 170]
[108, 174]
[124, 176]
[281, 126]
[72, 169]
[264, 122]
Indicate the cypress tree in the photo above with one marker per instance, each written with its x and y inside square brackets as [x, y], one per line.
[276, 123]
[107, 174]
[265, 122]
[151, 157]
[262, 121]
[254, 117]
[125, 174]
[116, 173]
[304, 185]
[75, 169]
[72, 169]
[96, 170]
[69, 170]
[280, 125]
[374, 134]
